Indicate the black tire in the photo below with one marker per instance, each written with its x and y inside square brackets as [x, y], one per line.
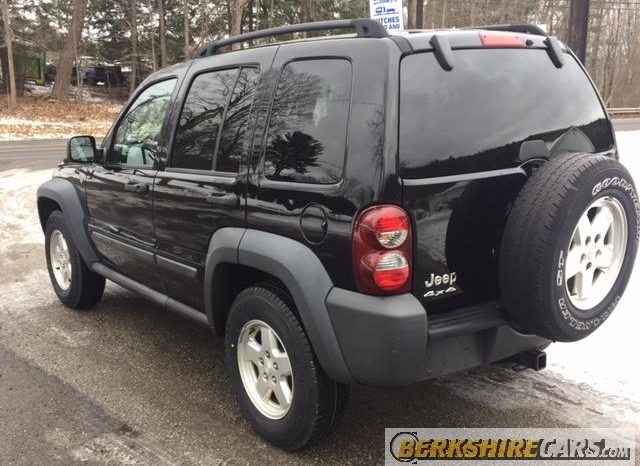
[536, 239]
[318, 402]
[86, 286]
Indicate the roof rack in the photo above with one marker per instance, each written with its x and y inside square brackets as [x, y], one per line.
[521, 28]
[369, 28]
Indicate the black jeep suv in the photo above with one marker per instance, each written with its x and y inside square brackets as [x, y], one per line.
[359, 208]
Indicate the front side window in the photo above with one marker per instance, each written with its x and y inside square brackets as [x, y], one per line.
[306, 140]
[200, 120]
[137, 137]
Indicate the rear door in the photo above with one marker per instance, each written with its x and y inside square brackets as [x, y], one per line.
[463, 136]
[297, 189]
[203, 187]
[119, 191]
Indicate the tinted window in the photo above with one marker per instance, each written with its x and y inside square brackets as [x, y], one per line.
[200, 120]
[475, 117]
[230, 149]
[308, 124]
[136, 139]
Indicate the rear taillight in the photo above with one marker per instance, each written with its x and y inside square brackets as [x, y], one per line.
[382, 250]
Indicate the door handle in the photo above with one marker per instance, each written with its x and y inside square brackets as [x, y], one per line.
[227, 199]
[138, 188]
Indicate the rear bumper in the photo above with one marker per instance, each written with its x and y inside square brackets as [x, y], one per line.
[391, 341]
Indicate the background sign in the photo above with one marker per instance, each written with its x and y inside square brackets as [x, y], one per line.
[388, 13]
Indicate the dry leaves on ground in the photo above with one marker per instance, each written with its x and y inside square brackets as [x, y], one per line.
[39, 117]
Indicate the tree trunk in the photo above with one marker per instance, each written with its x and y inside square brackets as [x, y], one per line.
[443, 18]
[163, 34]
[133, 13]
[236, 20]
[8, 36]
[154, 61]
[411, 14]
[257, 25]
[420, 14]
[64, 67]
[187, 48]
[249, 20]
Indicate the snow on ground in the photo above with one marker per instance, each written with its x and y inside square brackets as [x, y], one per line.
[18, 218]
[83, 94]
[607, 360]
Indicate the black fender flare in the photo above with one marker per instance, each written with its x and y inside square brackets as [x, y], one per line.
[295, 265]
[68, 197]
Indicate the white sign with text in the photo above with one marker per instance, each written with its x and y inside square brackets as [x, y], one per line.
[388, 13]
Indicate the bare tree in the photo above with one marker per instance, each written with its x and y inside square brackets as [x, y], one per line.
[411, 13]
[236, 19]
[8, 37]
[163, 33]
[185, 12]
[65, 63]
[133, 15]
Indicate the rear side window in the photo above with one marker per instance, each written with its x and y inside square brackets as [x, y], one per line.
[476, 116]
[230, 149]
[201, 118]
[306, 140]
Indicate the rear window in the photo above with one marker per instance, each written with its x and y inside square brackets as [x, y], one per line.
[475, 117]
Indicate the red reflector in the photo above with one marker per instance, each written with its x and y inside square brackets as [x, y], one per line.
[390, 280]
[498, 40]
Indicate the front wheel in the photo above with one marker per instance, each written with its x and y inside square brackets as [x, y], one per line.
[280, 386]
[74, 283]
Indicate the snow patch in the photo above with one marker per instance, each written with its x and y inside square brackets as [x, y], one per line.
[19, 223]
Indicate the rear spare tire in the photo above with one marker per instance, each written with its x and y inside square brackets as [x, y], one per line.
[569, 246]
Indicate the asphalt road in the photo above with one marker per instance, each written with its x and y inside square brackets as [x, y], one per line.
[126, 383]
[35, 154]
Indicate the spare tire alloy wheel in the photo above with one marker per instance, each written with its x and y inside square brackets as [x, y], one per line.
[596, 252]
[569, 246]
[265, 369]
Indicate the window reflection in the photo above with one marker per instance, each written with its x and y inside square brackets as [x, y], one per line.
[200, 120]
[306, 139]
[137, 137]
[235, 123]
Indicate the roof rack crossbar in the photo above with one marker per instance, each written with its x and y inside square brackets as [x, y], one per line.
[521, 28]
[368, 28]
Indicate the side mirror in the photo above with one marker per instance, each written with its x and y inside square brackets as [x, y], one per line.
[81, 149]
